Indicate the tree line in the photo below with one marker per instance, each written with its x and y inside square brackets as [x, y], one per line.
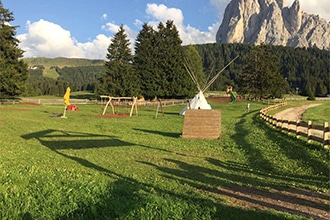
[158, 68]
[306, 70]
[302, 71]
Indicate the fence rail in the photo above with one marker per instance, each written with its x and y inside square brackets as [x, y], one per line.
[308, 130]
[88, 101]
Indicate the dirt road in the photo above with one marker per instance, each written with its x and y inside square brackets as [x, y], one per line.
[294, 113]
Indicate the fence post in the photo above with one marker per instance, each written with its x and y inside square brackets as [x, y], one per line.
[282, 124]
[297, 129]
[309, 132]
[278, 124]
[289, 130]
[326, 135]
[274, 121]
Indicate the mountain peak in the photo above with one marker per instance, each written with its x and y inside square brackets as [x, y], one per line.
[272, 22]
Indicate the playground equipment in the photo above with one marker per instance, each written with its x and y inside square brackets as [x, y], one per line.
[131, 101]
[230, 92]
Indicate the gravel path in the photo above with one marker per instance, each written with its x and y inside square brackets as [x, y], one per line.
[294, 113]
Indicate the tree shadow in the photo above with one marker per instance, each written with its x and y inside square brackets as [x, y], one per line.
[57, 140]
[124, 198]
[165, 134]
[253, 154]
[120, 197]
[230, 182]
[291, 147]
[296, 149]
[60, 140]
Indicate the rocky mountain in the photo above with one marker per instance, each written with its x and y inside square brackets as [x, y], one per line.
[271, 22]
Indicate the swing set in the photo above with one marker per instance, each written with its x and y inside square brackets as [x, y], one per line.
[117, 101]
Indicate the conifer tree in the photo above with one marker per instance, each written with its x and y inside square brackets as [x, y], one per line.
[171, 54]
[261, 76]
[159, 62]
[146, 63]
[195, 64]
[13, 71]
[119, 78]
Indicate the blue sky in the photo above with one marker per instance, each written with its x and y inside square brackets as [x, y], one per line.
[83, 28]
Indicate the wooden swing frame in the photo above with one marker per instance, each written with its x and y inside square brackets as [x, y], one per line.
[111, 98]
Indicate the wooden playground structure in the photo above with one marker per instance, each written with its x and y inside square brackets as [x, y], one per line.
[132, 101]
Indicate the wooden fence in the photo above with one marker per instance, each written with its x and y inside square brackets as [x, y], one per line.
[308, 130]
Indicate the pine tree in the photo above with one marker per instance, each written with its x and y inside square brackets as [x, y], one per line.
[159, 62]
[261, 76]
[119, 78]
[171, 54]
[195, 64]
[13, 71]
[146, 63]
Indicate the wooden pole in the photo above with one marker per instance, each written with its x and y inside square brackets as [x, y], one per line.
[64, 113]
[309, 132]
[134, 105]
[326, 135]
[297, 129]
[157, 109]
[108, 103]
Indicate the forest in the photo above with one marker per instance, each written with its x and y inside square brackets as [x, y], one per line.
[306, 70]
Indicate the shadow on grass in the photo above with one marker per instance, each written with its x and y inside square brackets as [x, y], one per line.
[297, 149]
[253, 154]
[293, 149]
[127, 198]
[231, 178]
[165, 134]
[120, 198]
[57, 140]
[60, 140]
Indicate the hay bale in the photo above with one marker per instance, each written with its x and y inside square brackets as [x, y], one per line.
[202, 124]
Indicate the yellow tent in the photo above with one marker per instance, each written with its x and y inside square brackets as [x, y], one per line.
[66, 97]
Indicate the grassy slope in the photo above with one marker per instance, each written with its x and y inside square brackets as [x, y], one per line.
[59, 62]
[318, 114]
[86, 167]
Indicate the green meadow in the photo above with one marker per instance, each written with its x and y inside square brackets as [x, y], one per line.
[89, 167]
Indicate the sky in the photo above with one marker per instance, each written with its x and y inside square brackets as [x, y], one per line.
[84, 28]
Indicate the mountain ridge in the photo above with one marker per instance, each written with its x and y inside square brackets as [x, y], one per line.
[271, 22]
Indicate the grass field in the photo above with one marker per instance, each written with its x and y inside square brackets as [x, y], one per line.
[88, 167]
[318, 114]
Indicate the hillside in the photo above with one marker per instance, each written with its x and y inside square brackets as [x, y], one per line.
[60, 62]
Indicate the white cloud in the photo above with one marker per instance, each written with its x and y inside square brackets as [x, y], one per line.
[47, 39]
[188, 34]
[318, 7]
[97, 49]
[104, 16]
[163, 13]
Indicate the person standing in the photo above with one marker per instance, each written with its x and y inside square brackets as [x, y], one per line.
[247, 107]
